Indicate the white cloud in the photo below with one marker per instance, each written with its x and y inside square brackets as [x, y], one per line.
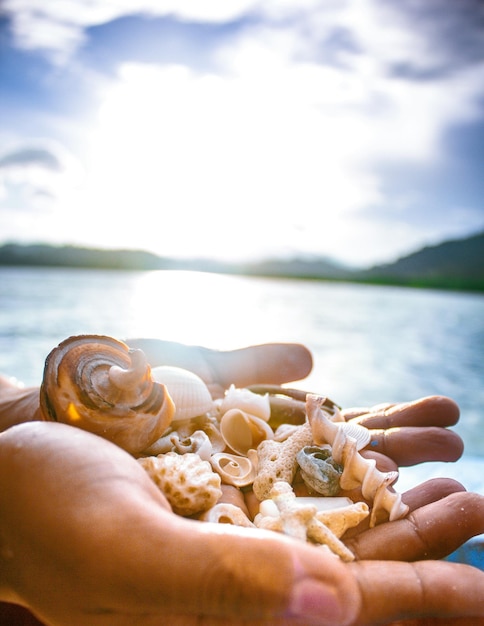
[35, 177]
[274, 152]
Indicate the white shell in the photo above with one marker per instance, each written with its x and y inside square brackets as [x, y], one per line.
[248, 401]
[233, 469]
[243, 432]
[225, 513]
[198, 443]
[361, 434]
[187, 390]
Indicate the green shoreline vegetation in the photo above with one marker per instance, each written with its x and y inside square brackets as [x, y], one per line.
[453, 265]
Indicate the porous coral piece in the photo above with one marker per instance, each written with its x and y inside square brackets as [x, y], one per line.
[188, 482]
[300, 521]
[276, 461]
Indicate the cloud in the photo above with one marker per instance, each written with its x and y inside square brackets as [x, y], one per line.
[280, 142]
[31, 176]
[451, 32]
[58, 27]
[31, 156]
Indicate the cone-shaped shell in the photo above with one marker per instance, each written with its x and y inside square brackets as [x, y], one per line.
[187, 390]
[243, 432]
[98, 384]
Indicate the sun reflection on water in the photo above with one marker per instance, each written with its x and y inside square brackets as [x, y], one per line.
[201, 308]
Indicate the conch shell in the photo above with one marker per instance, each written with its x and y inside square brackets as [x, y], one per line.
[98, 384]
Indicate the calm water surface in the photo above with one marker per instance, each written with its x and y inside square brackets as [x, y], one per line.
[370, 344]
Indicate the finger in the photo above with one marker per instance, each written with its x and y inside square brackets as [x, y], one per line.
[433, 589]
[383, 462]
[430, 532]
[428, 411]
[413, 445]
[274, 363]
[430, 491]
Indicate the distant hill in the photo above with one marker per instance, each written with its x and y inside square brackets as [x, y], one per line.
[457, 264]
[71, 256]
[298, 268]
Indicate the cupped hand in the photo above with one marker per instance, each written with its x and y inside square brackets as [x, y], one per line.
[87, 539]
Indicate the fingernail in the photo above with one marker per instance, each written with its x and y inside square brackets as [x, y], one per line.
[315, 601]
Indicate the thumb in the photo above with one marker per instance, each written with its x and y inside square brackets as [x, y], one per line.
[239, 574]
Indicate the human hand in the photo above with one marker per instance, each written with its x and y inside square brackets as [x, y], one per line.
[87, 539]
[258, 563]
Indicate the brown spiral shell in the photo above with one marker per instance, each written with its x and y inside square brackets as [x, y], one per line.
[97, 383]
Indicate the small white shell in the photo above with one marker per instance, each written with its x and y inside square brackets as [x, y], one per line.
[248, 401]
[243, 432]
[187, 390]
[361, 434]
[198, 443]
[224, 513]
[233, 469]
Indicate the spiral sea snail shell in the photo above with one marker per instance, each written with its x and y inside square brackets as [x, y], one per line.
[98, 384]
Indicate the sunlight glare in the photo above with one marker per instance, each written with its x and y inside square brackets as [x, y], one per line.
[198, 308]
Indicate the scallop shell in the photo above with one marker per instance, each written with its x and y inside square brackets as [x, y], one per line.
[248, 401]
[243, 432]
[98, 384]
[233, 469]
[187, 390]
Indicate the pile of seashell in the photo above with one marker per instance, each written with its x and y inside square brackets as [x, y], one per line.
[206, 455]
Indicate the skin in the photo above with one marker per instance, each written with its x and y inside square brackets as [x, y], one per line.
[87, 539]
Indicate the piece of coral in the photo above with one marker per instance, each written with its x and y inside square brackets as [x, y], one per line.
[340, 520]
[300, 521]
[276, 461]
[188, 482]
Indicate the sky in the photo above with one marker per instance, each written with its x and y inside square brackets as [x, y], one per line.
[245, 129]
